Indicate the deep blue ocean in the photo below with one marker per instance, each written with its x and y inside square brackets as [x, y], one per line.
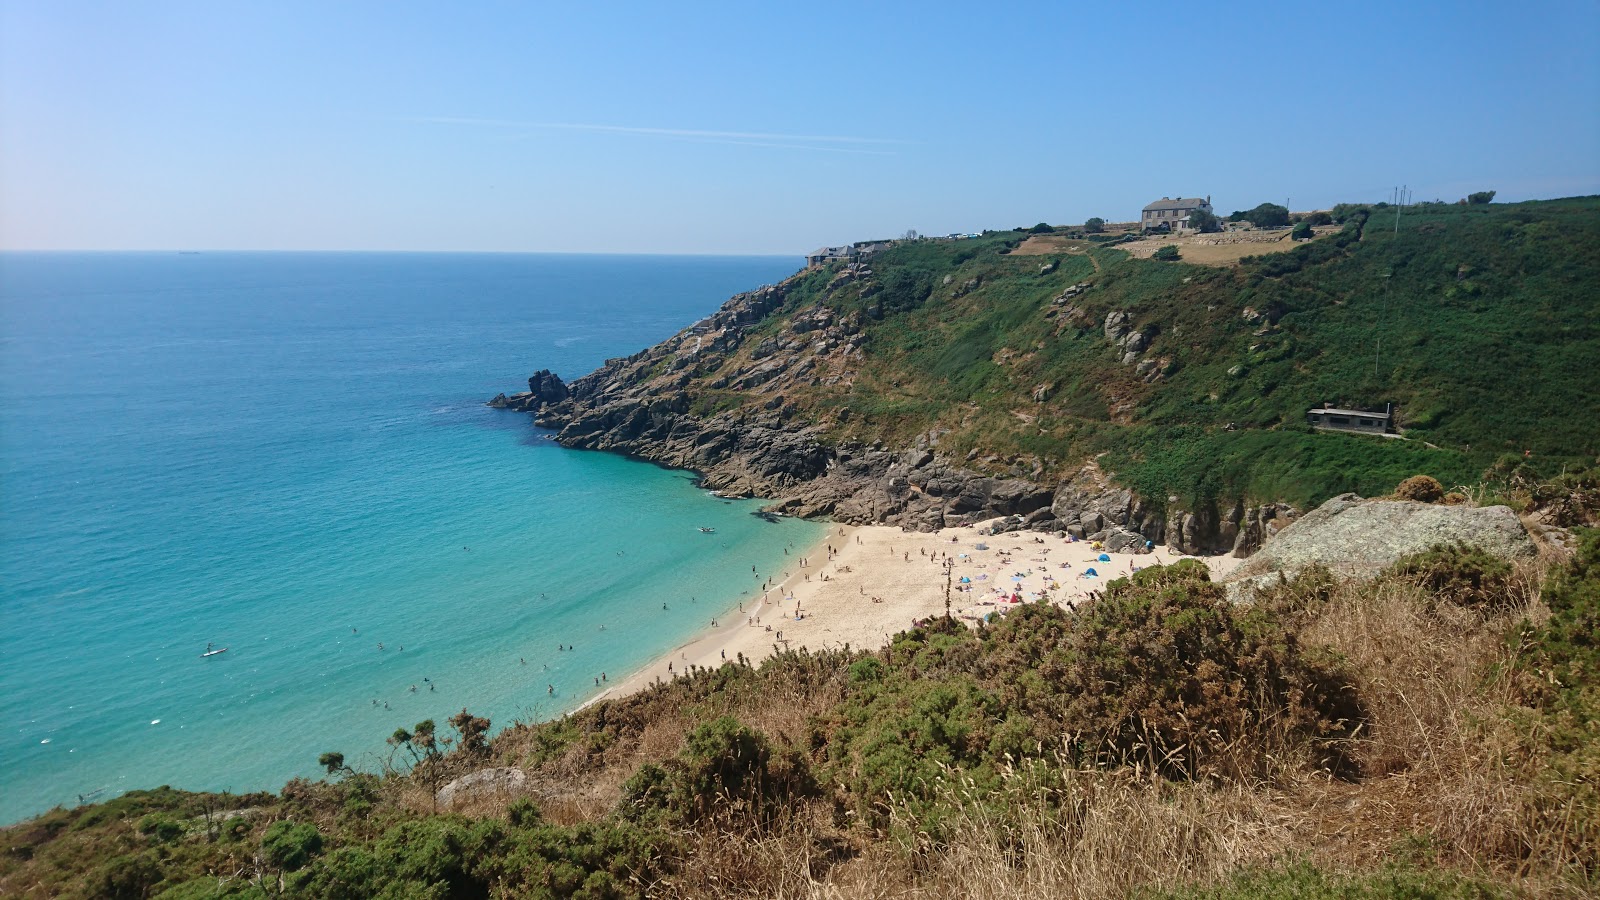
[288, 455]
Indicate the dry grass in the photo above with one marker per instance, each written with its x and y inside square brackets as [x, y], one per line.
[1051, 244]
[1450, 782]
[1445, 782]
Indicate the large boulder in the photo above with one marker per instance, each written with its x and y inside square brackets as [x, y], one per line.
[1358, 538]
[500, 785]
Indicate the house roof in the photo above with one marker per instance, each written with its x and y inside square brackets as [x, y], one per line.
[1346, 412]
[829, 251]
[1164, 203]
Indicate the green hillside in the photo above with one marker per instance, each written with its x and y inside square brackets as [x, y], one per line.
[1480, 323]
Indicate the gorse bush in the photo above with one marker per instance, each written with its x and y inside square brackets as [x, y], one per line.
[1161, 672]
[1422, 488]
[1165, 672]
[1459, 575]
[725, 771]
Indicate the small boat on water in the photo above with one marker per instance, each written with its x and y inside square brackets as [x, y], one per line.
[708, 531]
[211, 652]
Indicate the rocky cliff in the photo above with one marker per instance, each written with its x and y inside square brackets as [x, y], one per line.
[665, 404]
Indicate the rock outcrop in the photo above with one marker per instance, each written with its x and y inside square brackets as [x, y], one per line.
[1358, 538]
[544, 387]
[500, 785]
[662, 405]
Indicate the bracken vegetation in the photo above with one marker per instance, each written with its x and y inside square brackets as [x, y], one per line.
[1479, 322]
[1431, 733]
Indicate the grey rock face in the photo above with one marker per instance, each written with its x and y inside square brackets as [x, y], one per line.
[641, 405]
[1358, 538]
[499, 785]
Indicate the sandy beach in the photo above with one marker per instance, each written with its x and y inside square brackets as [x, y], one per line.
[862, 584]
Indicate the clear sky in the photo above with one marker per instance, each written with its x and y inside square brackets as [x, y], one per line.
[759, 127]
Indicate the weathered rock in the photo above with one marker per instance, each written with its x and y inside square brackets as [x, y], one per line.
[500, 785]
[1358, 538]
[649, 405]
[1116, 325]
[1121, 540]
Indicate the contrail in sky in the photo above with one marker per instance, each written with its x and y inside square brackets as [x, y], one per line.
[744, 138]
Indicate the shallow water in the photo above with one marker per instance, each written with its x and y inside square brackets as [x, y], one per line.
[287, 455]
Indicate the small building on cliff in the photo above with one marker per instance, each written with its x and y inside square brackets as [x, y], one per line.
[1168, 214]
[1366, 422]
[824, 255]
[856, 252]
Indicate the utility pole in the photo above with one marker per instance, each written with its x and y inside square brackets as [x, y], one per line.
[1388, 278]
[949, 567]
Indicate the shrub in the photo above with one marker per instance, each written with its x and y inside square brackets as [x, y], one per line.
[1481, 197]
[1167, 253]
[1094, 225]
[1422, 488]
[1204, 221]
[725, 770]
[1302, 232]
[1163, 670]
[162, 828]
[290, 845]
[1460, 575]
[1319, 218]
[1266, 215]
[127, 877]
[1041, 228]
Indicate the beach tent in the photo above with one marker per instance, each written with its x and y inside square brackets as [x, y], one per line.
[1090, 573]
[1104, 558]
[965, 580]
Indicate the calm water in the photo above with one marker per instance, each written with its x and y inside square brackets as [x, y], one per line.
[287, 455]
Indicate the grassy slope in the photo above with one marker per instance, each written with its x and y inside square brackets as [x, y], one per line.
[1490, 345]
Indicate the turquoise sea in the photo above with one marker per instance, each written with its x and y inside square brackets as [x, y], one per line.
[288, 455]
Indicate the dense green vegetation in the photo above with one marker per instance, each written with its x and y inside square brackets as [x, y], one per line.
[1481, 323]
[1162, 724]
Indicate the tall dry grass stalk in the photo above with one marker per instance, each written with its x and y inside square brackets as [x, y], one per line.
[1100, 835]
[1444, 771]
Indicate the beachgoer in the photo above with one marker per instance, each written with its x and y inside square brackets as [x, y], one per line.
[550, 689]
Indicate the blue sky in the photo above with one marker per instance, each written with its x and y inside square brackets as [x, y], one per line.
[758, 128]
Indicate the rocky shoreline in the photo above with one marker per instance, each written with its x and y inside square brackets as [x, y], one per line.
[641, 406]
